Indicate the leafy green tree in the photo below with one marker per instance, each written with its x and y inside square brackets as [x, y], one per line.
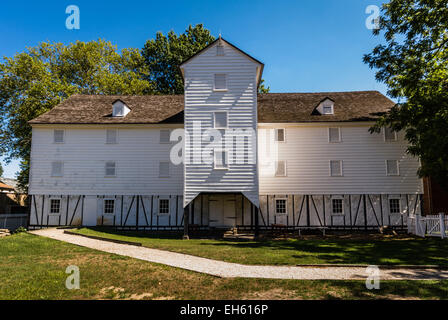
[413, 63]
[34, 81]
[164, 54]
[262, 88]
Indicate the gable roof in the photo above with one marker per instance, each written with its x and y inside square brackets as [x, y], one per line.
[272, 108]
[220, 39]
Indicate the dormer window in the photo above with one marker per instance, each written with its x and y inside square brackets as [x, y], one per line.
[119, 109]
[328, 108]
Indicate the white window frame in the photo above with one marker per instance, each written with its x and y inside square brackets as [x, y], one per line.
[116, 136]
[276, 135]
[214, 119]
[54, 136]
[214, 82]
[104, 207]
[388, 140]
[286, 207]
[341, 164]
[50, 207]
[169, 170]
[399, 204]
[105, 169]
[339, 135]
[62, 169]
[160, 136]
[276, 166]
[332, 206]
[169, 207]
[387, 168]
[226, 157]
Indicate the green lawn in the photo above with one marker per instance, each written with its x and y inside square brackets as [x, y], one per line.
[314, 250]
[33, 267]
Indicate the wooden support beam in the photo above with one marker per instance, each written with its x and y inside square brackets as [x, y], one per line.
[186, 222]
[257, 227]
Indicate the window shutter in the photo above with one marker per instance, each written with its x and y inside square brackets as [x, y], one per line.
[110, 169]
[389, 135]
[280, 135]
[336, 168]
[280, 168]
[219, 50]
[164, 169]
[392, 167]
[334, 134]
[220, 82]
[111, 136]
[164, 136]
[220, 119]
[58, 136]
[57, 168]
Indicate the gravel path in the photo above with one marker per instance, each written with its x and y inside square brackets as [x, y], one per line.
[231, 270]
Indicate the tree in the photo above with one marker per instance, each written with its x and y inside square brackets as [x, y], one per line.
[34, 81]
[262, 88]
[1, 170]
[164, 54]
[413, 63]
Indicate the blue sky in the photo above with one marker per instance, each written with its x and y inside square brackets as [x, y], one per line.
[306, 45]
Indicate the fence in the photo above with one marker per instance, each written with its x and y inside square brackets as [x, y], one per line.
[430, 225]
[13, 221]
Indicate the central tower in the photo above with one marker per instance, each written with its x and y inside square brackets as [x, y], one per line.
[221, 84]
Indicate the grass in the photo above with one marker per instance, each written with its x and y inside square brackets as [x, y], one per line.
[33, 267]
[372, 250]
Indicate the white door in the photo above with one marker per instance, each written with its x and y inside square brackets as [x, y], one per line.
[222, 211]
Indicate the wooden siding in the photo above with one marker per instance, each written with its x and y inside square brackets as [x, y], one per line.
[307, 153]
[84, 154]
[240, 101]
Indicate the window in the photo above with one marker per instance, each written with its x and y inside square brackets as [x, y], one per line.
[118, 110]
[109, 206]
[110, 169]
[392, 168]
[111, 136]
[337, 206]
[327, 108]
[280, 168]
[389, 135]
[164, 169]
[58, 136]
[334, 134]
[164, 206]
[57, 168]
[219, 50]
[164, 136]
[394, 206]
[220, 120]
[221, 159]
[220, 81]
[280, 135]
[280, 206]
[335, 168]
[55, 206]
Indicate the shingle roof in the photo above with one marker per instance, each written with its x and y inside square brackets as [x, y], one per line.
[272, 107]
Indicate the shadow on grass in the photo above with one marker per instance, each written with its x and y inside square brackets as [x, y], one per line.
[321, 250]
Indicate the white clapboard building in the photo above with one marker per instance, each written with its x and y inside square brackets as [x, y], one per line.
[221, 156]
